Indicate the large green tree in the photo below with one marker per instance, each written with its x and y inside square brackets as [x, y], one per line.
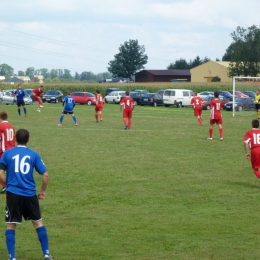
[30, 72]
[244, 52]
[6, 70]
[184, 65]
[130, 59]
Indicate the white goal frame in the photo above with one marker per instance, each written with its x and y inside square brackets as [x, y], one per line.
[234, 88]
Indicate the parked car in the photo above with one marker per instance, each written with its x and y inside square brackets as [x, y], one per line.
[141, 90]
[207, 100]
[115, 96]
[52, 96]
[29, 91]
[8, 97]
[238, 94]
[152, 99]
[109, 90]
[177, 97]
[226, 94]
[161, 91]
[136, 96]
[84, 98]
[250, 93]
[241, 104]
[205, 94]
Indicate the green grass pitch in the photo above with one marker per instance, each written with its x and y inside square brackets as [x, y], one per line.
[160, 191]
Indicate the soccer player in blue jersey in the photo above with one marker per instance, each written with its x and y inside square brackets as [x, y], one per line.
[69, 103]
[21, 199]
[20, 94]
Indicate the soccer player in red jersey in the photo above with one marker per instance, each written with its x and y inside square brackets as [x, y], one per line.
[128, 104]
[215, 116]
[252, 141]
[196, 102]
[7, 137]
[37, 95]
[99, 106]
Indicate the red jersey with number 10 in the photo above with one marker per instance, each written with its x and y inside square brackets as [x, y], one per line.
[7, 137]
[127, 103]
[216, 107]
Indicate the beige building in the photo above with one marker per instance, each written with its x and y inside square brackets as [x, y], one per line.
[209, 70]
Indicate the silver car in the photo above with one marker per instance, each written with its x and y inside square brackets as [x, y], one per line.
[9, 98]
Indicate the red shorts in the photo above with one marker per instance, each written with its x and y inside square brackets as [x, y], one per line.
[36, 97]
[98, 107]
[197, 111]
[216, 121]
[127, 114]
[255, 158]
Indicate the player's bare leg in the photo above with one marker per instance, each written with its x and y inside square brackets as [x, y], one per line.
[257, 172]
[101, 116]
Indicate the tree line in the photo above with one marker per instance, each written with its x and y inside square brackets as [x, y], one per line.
[243, 55]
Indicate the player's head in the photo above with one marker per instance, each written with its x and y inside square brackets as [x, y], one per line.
[3, 115]
[22, 136]
[69, 93]
[41, 86]
[255, 123]
[19, 86]
[195, 94]
[216, 94]
[98, 91]
[127, 93]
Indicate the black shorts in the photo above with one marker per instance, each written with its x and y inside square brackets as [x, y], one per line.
[67, 112]
[20, 103]
[18, 206]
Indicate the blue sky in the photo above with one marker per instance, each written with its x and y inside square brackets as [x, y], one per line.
[84, 35]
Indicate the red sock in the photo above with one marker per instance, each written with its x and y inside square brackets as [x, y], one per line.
[257, 173]
[200, 121]
[2, 184]
[210, 132]
[221, 132]
[96, 116]
[129, 123]
[125, 122]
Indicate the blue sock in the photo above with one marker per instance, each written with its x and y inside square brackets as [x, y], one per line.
[74, 119]
[25, 111]
[10, 242]
[19, 111]
[43, 238]
[61, 119]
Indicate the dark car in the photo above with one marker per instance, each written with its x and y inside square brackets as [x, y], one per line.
[55, 96]
[140, 90]
[152, 99]
[207, 100]
[241, 104]
[84, 98]
[136, 96]
[250, 93]
[238, 94]
[29, 92]
[225, 94]
[109, 90]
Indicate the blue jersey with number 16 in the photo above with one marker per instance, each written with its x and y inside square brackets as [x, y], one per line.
[20, 163]
[69, 103]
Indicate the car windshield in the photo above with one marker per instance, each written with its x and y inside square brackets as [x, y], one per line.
[51, 92]
[239, 99]
[208, 98]
[90, 95]
[121, 94]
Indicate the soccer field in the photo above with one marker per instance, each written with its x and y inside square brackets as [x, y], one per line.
[159, 191]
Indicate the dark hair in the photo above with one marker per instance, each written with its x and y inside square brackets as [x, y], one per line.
[3, 115]
[127, 93]
[22, 136]
[255, 123]
[97, 91]
[216, 94]
[41, 86]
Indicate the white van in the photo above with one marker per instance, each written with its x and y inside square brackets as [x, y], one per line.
[177, 97]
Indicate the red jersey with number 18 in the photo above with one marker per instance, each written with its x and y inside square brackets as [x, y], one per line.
[252, 137]
[216, 107]
[7, 137]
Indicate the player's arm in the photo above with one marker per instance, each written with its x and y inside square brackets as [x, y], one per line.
[2, 171]
[45, 179]
[246, 147]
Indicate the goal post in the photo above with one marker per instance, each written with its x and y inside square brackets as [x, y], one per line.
[243, 84]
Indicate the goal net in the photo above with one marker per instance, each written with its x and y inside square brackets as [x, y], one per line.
[244, 86]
